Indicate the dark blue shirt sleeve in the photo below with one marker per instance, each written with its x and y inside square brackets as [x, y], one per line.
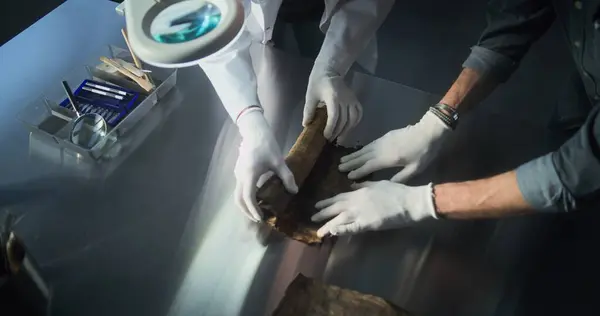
[513, 26]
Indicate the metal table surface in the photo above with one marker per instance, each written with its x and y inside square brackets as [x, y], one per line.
[158, 234]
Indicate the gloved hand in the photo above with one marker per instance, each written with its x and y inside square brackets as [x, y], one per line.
[258, 154]
[412, 147]
[343, 109]
[374, 206]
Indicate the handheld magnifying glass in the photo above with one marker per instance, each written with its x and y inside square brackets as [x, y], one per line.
[89, 130]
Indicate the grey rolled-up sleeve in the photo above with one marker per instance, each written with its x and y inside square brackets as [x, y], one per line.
[490, 64]
[568, 178]
[513, 26]
[541, 187]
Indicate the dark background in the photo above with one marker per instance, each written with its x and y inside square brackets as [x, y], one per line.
[19, 15]
[565, 278]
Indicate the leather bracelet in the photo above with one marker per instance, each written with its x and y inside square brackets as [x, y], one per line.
[443, 117]
[251, 108]
[445, 107]
[446, 114]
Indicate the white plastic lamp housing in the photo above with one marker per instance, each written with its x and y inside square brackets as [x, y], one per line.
[174, 34]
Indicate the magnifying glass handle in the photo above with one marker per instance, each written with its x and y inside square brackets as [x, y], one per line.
[71, 97]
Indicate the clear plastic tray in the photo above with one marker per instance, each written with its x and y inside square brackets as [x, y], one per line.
[52, 123]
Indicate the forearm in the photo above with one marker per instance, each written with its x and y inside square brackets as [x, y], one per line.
[565, 180]
[512, 27]
[493, 197]
[353, 25]
[469, 89]
[482, 72]
[232, 76]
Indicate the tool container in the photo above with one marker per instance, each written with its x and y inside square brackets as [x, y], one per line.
[50, 117]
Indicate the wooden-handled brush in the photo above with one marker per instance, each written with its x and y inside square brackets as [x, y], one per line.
[144, 83]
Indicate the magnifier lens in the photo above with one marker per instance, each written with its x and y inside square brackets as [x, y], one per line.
[88, 130]
[185, 21]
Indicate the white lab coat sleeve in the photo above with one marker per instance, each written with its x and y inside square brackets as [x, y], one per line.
[232, 75]
[351, 28]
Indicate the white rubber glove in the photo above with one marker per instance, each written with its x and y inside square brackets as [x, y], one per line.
[412, 147]
[374, 206]
[259, 153]
[343, 109]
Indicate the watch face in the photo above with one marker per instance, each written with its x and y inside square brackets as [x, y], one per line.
[185, 21]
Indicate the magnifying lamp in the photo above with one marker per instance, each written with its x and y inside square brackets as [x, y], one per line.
[178, 33]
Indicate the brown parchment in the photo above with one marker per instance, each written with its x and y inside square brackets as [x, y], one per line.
[314, 163]
[323, 182]
[306, 296]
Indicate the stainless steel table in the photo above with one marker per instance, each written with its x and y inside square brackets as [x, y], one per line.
[158, 233]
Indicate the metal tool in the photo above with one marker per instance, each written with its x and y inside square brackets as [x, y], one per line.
[106, 114]
[109, 116]
[89, 130]
[105, 88]
[85, 108]
[173, 34]
[89, 108]
[103, 93]
[114, 119]
[71, 98]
